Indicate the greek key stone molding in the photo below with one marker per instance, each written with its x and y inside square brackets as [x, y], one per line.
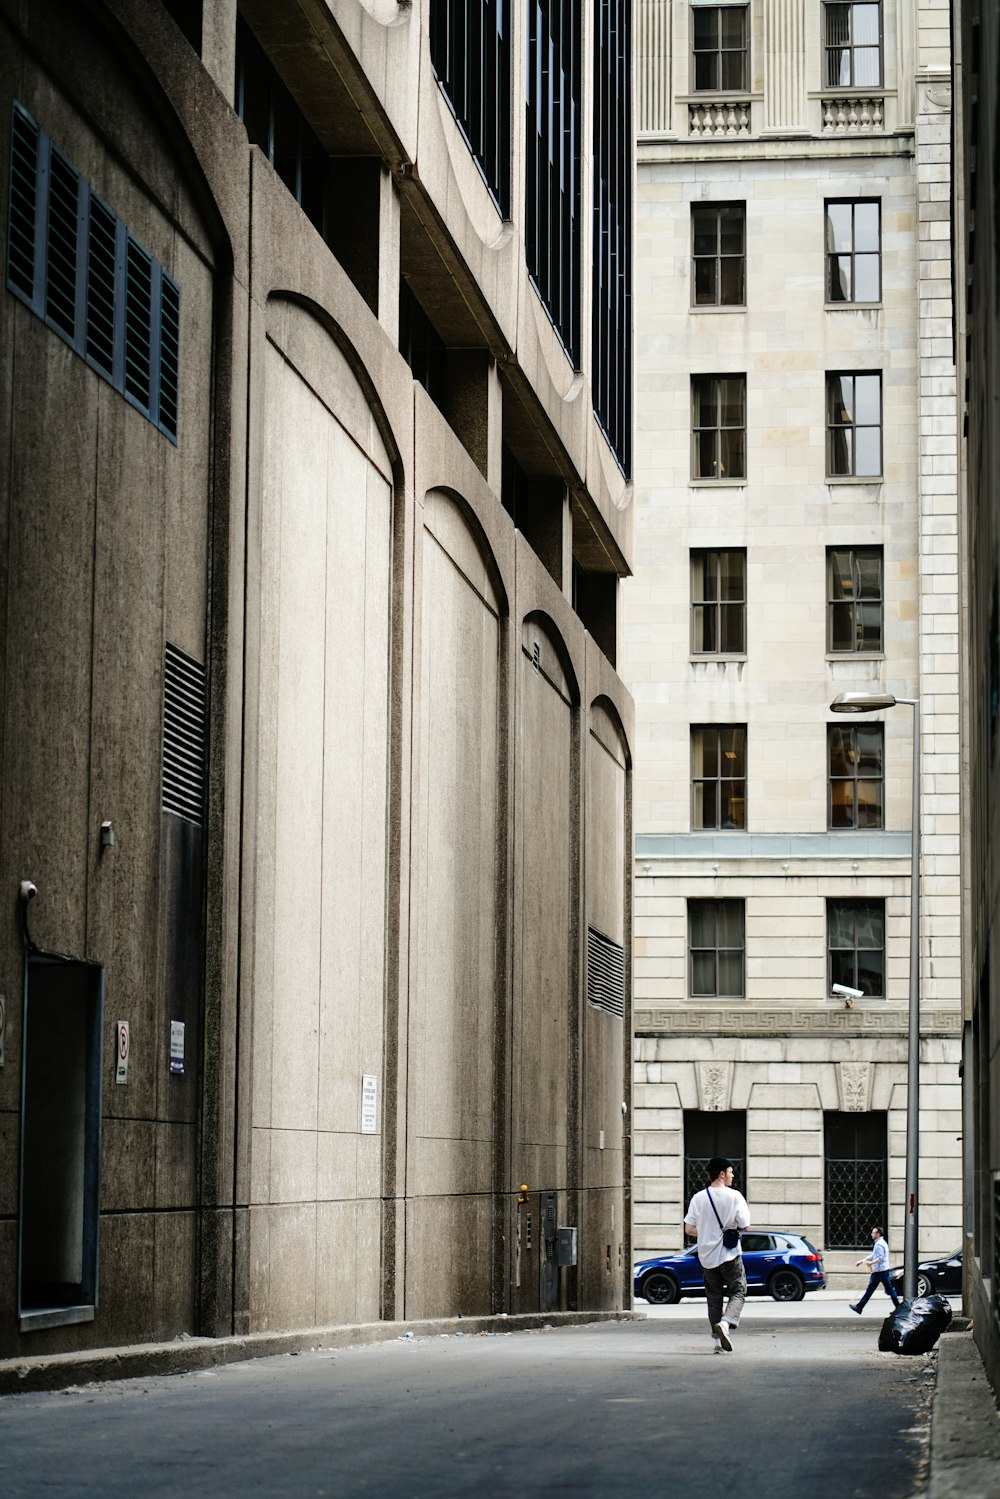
[855, 1080]
[719, 119]
[852, 116]
[790, 1022]
[714, 1083]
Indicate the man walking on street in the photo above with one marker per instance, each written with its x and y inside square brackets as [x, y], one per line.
[711, 1217]
[879, 1262]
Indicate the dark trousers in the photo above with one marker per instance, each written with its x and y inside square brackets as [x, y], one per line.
[880, 1278]
[725, 1283]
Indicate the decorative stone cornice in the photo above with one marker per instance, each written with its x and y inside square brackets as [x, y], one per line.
[791, 1022]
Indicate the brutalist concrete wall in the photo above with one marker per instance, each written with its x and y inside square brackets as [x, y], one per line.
[418, 767]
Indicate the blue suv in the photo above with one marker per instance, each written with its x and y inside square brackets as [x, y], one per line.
[784, 1266]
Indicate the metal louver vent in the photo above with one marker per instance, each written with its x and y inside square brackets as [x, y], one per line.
[23, 203]
[138, 310]
[605, 973]
[100, 348]
[184, 735]
[61, 247]
[170, 323]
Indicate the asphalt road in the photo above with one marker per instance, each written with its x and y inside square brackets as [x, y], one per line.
[801, 1410]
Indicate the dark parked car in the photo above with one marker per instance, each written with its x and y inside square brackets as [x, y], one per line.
[942, 1277]
[777, 1264]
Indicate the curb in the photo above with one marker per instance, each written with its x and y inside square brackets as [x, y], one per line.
[965, 1425]
[185, 1355]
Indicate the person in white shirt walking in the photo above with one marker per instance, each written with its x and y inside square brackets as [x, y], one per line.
[879, 1262]
[712, 1215]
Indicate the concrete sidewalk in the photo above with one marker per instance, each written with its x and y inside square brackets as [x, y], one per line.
[965, 1425]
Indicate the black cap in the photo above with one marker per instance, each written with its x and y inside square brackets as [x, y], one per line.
[717, 1165]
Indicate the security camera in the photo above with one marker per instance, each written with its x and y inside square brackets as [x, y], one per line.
[28, 890]
[844, 991]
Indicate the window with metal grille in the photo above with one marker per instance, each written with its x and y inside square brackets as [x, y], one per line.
[855, 757]
[856, 945]
[855, 1178]
[854, 599]
[612, 287]
[708, 1133]
[470, 51]
[77, 266]
[184, 735]
[605, 973]
[552, 169]
[716, 949]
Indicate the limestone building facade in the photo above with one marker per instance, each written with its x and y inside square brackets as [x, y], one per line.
[796, 499]
[316, 782]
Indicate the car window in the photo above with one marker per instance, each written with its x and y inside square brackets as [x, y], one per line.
[811, 1248]
[755, 1243]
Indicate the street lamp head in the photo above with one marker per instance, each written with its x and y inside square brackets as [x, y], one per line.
[862, 702]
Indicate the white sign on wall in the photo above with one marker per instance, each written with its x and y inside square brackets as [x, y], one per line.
[121, 1071]
[369, 1104]
[177, 1046]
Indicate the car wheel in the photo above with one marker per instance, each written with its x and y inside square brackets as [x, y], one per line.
[786, 1285]
[924, 1287]
[660, 1288]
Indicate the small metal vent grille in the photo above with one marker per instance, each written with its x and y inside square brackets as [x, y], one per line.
[23, 202]
[61, 245]
[605, 973]
[101, 287]
[138, 303]
[184, 736]
[170, 328]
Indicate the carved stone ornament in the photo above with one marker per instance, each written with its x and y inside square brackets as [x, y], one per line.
[939, 95]
[855, 1086]
[713, 1085]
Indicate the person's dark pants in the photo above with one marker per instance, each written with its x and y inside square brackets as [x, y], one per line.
[726, 1281]
[879, 1278]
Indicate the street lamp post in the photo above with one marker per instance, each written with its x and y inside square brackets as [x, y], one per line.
[864, 702]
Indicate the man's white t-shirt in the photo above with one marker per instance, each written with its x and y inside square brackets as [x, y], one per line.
[732, 1209]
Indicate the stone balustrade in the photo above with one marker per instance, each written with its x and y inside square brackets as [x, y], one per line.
[719, 118]
[852, 116]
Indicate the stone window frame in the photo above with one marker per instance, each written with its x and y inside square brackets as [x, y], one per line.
[845, 741]
[718, 609]
[723, 449]
[856, 605]
[716, 951]
[719, 51]
[843, 428]
[843, 961]
[730, 789]
[832, 50]
[835, 256]
[717, 258]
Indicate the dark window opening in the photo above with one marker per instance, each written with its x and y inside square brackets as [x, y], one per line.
[716, 949]
[854, 599]
[856, 775]
[719, 427]
[718, 250]
[856, 1176]
[470, 51]
[719, 48]
[612, 287]
[536, 504]
[708, 1133]
[856, 945]
[718, 603]
[718, 776]
[422, 347]
[187, 17]
[552, 173]
[595, 600]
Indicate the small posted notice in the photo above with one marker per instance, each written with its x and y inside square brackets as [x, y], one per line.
[369, 1104]
[121, 1071]
[177, 1046]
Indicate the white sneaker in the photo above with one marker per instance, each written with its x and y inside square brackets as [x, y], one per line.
[721, 1330]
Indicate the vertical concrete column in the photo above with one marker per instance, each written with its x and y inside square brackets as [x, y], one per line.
[654, 94]
[218, 44]
[388, 256]
[784, 66]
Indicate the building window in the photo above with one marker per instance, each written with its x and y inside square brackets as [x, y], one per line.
[853, 426]
[552, 166]
[855, 1150]
[612, 284]
[79, 269]
[718, 776]
[856, 945]
[716, 946]
[274, 122]
[718, 427]
[853, 45]
[854, 251]
[719, 48]
[709, 1132]
[718, 241]
[854, 599]
[470, 52]
[856, 775]
[718, 603]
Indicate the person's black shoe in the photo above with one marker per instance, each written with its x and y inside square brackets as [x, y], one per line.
[856, 1308]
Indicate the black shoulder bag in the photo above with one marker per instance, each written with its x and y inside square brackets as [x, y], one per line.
[730, 1236]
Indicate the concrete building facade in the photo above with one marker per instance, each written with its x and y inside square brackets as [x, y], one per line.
[316, 785]
[796, 482]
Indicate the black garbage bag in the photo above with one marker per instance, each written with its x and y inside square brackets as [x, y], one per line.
[915, 1326]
